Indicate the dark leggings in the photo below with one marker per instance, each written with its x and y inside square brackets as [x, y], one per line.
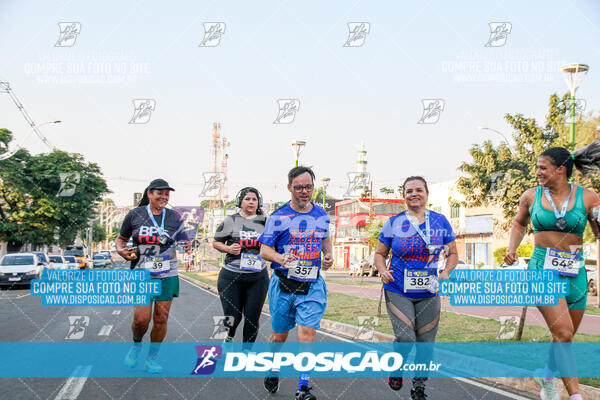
[414, 320]
[243, 294]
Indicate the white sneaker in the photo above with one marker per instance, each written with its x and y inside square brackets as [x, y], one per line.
[548, 389]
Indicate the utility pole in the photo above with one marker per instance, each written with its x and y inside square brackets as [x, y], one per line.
[370, 202]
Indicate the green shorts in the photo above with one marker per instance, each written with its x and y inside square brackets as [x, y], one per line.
[170, 289]
[578, 287]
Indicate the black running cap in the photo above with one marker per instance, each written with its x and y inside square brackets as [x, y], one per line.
[159, 184]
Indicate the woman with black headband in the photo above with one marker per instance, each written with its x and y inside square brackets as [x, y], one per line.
[243, 280]
[154, 230]
[559, 211]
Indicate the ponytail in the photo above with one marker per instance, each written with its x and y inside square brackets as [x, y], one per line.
[145, 200]
[587, 158]
[560, 157]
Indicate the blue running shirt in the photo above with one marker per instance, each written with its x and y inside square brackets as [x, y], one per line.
[409, 250]
[304, 232]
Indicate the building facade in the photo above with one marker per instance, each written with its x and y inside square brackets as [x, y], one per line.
[478, 229]
[352, 218]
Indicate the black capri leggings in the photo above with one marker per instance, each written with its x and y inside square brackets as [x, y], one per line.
[243, 294]
[414, 320]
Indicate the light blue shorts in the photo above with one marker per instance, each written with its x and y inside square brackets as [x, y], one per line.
[289, 309]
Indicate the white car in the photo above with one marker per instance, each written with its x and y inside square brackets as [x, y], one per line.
[100, 261]
[71, 262]
[56, 262]
[364, 267]
[20, 268]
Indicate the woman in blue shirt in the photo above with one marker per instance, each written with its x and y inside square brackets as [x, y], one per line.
[416, 237]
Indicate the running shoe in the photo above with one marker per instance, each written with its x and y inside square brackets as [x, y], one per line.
[548, 389]
[305, 394]
[418, 393]
[272, 384]
[228, 339]
[395, 382]
[131, 359]
[152, 366]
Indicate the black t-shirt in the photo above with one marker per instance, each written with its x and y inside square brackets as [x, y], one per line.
[243, 231]
[138, 225]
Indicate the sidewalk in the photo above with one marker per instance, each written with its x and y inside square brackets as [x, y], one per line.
[590, 323]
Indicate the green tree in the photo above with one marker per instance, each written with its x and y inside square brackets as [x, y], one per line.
[25, 217]
[498, 175]
[366, 194]
[318, 194]
[98, 234]
[524, 250]
[113, 236]
[373, 230]
[72, 211]
[389, 192]
[31, 210]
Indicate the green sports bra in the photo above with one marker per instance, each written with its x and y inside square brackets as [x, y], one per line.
[545, 220]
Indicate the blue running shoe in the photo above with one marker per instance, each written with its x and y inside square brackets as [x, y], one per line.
[131, 359]
[152, 366]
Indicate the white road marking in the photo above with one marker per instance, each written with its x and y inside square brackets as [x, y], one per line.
[74, 385]
[116, 312]
[492, 389]
[77, 326]
[105, 330]
[13, 297]
[464, 380]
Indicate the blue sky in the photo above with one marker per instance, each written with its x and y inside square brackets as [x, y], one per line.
[285, 50]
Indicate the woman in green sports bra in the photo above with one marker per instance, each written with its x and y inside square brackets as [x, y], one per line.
[559, 211]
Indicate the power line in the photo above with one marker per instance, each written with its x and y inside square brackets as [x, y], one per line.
[5, 86]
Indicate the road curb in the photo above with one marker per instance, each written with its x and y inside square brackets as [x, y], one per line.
[526, 385]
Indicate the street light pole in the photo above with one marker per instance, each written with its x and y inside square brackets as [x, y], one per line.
[485, 128]
[573, 80]
[10, 153]
[325, 182]
[574, 74]
[297, 147]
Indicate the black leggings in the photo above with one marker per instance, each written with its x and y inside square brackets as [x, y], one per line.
[243, 294]
[414, 320]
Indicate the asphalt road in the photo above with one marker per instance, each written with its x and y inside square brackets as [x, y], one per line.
[24, 319]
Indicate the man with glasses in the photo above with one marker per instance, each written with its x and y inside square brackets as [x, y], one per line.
[295, 235]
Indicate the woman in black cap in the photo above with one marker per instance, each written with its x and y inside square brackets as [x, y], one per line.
[154, 230]
[243, 280]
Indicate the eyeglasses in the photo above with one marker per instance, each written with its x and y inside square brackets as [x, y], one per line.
[299, 188]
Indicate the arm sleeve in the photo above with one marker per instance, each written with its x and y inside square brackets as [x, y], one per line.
[127, 226]
[385, 236]
[224, 230]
